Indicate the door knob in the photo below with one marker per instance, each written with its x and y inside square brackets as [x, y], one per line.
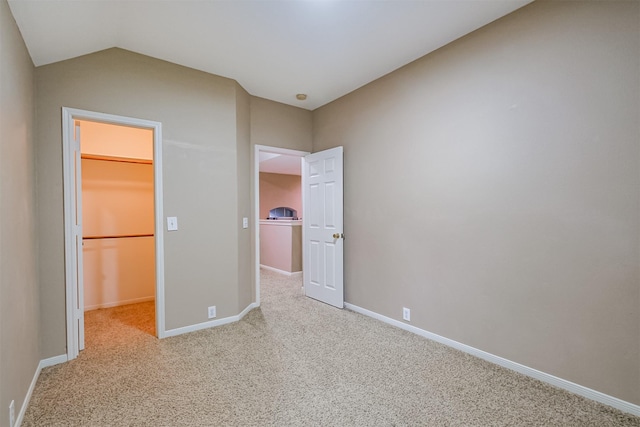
[338, 236]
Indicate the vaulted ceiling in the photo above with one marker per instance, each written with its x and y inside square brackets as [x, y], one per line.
[274, 48]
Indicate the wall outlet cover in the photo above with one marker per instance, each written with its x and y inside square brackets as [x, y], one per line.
[212, 312]
[406, 314]
[172, 223]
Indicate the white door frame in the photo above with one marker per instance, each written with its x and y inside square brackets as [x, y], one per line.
[69, 115]
[256, 200]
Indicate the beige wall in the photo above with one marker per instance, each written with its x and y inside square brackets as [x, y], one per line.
[19, 293]
[200, 174]
[492, 187]
[279, 125]
[279, 190]
[246, 263]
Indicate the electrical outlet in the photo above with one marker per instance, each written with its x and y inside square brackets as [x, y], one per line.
[406, 314]
[212, 312]
[12, 413]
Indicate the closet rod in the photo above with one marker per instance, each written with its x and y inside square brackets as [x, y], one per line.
[123, 236]
[117, 159]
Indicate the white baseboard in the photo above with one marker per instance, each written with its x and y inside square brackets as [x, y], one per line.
[286, 273]
[247, 310]
[43, 364]
[533, 373]
[52, 361]
[209, 324]
[119, 303]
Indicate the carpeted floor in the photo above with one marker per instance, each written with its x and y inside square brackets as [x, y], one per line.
[293, 362]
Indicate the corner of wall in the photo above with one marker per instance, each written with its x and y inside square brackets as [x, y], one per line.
[246, 264]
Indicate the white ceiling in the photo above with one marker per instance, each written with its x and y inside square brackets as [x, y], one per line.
[273, 48]
[280, 163]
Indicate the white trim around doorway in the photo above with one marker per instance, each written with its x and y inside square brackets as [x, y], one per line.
[69, 115]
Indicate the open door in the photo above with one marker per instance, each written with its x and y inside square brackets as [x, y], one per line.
[77, 234]
[323, 239]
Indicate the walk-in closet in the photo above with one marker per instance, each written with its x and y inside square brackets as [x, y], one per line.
[118, 221]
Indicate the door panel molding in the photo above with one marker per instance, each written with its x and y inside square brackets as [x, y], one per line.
[322, 226]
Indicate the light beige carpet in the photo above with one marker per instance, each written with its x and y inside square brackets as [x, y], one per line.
[293, 362]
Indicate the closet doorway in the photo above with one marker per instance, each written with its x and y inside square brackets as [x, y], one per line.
[113, 221]
[118, 242]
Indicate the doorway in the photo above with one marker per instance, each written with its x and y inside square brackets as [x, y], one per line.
[278, 162]
[100, 249]
[322, 229]
[117, 223]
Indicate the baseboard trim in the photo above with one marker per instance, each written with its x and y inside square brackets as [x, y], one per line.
[52, 361]
[247, 310]
[525, 370]
[119, 303]
[286, 273]
[41, 365]
[209, 324]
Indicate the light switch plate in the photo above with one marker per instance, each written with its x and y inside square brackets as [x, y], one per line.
[245, 222]
[172, 223]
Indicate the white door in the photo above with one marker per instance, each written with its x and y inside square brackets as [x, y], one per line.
[78, 296]
[323, 244]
